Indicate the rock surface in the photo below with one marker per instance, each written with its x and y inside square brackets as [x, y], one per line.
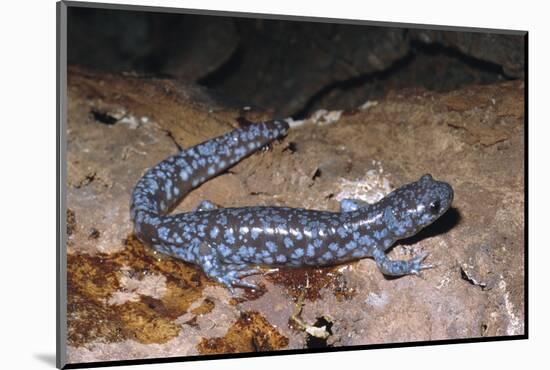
[127, 302]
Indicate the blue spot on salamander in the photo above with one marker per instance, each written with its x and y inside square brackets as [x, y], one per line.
[288, 242]
[310, 250]
[342, 232]
[214, 232]
[228, 236]
[271, 247]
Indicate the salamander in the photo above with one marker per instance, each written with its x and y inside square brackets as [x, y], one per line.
[230, 244]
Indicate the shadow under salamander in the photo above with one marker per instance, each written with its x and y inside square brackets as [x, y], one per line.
[445, 223]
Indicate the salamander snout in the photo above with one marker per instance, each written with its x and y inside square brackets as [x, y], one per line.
[434, 198]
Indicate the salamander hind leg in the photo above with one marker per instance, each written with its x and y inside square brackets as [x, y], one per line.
[349, 205]
[229, 274]
[206, 205]
[399, 267]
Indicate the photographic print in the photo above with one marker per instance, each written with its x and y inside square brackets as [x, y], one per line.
[246, 184]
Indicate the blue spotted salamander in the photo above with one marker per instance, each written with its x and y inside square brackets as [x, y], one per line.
[232, 243]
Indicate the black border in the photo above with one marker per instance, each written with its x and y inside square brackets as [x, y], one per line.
[61, 74]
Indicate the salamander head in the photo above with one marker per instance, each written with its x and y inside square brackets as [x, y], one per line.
[414, 206]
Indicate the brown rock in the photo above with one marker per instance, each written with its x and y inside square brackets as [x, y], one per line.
[473, 138]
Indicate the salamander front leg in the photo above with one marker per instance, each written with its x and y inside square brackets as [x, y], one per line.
[399, 267]
[236, 273]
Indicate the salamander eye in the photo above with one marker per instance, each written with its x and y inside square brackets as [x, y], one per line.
[435, 206]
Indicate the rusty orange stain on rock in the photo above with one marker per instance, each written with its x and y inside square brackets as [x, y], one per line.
[92, 281]
[250, 333]
[307, 282]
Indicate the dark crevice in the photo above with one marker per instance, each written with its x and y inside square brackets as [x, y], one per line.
[484, 328]
[259, 193]
[291, 147]
[103, 117]
[171, 136]
[436, 49]
[315, 342]
[466, 276]
[351, 83]
[417, 48]
[86, 180]
[94, 233]
[316, 174]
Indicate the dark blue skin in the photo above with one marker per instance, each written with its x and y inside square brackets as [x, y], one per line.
[230, 243]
